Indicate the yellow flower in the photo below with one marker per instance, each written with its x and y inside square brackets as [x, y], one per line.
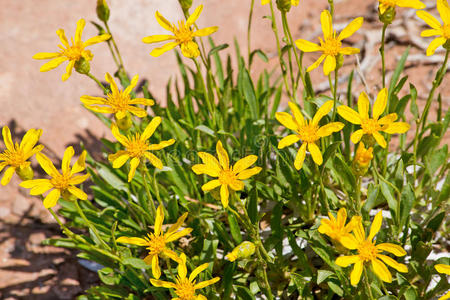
[368, 251]
[61, 184]
[307, 131]
[293, 2]
[363, 156]
[183, 35]
[335, 228]
[331, 44]
[156, 242]
[137, 148]
[444, 269]
[185, 286]
[119, 102]
[386, 4]
[16, 155]
[71, 53]
[229, 177]
[443, 31]
[243, 250]
[372, 126]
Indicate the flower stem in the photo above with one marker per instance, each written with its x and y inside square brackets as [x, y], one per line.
[147, 190]
[331, 2]
[367, 284]
[249, 27]
[115, 47]
[105, 90]
[89, 224]
[209, 102]
[383, 64]
[333, 118]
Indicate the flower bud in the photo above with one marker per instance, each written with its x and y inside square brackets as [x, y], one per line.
[25, 173]
[244, 250]
[339, 61]
[388, 16]
[125, 123]
[102, 10]
[82, 66]
[284, 5]
[368, 140]
[362, 160]
[185, 5]
[66, 195]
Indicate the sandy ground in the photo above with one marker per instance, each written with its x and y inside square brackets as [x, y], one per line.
[30, 99]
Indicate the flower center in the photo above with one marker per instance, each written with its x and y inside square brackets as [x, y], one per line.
[185, 289]
[389, 3]
[367, 251]
[73, 52]
[119, 101]
[369, 126]
[308, 133]
[136, 147]
[227, 177]
[61, 181]
[183, 34]
[446, 31]
[14, 158]
[156, 244]
[331, 45]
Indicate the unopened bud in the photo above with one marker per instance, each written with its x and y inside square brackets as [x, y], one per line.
[362, 160]
[25, 173]
[339, 61]
[185, 5]
[102, 10]
[125, 123]
[368, 140]
[284, 5]
[388, 16]
[244, 250]
[82, 66]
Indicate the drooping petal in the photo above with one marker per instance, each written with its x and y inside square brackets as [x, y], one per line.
[300, 157]
[197, 271]
[52, 64]
[380, 139]
[345, 261]
[206, 283]
[316, 63]
[322, 112]
[380, 104]
[52, 198]
[397, 127]
[155, 161]
[161, 283]
[307, 46]
[298, 116]
[46, 164]
[351, 28]
[315, 153]
[376, 225]
[223, 156]
[224, 195]
[287, 120]
[134, 163]
[329, 65]
[444, 10]
[392, 263]
[392, 248]
[363, 105]
[160, 50]
[97, 39]
[190, 49]
[194, 16]
[77, 192]
[355, 275]
[329, 128]
[132, 241]
[433, 45]
[7, 175]
[150, 129]
[211, 185]
[381, 270]
[288, 140]
[246, 174]
[206, 31]
[67, 157]
[244, 163]
[157, 38]
[388, 119]
[356, 136]
[326, 22]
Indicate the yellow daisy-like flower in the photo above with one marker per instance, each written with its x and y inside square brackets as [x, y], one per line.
[331, 44]
[16, 155]
[183, 35]
[137, 148]
[185, 286]
[308, 131]
[229, 177]
[293, 2]
[156, 242]
[443, 269]
[335, 228]
[386, 4]
[61, 184]
[117, 102]
[71, 53]
[443, 31]
[368, 251]
[372, 126]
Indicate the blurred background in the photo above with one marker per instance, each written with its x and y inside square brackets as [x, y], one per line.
[30, 99]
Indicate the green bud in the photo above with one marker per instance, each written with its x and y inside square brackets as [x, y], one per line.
[102, 10]
[185, 5]
[339, 61]
[82, 66]
[368, 140]
[66, 195]
[125, 123]
[284, 5]
[388, 16]
[25, 173]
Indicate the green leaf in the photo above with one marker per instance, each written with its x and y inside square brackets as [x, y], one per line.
[234, 228]
[206, 130]
[406, 204]
[322, 275]
[135, 263]
[244, 293]
[217, 49]
[388, 195]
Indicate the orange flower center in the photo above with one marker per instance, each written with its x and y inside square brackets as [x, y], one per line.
[156, 244]
[136, 147]
[61, 181]
[308, 133]
[227, 177]
[119, 101]
[14, 158]
[369, 126]
[367, 251]
[185, 289]
[73, 52]
[446, 31]
[183, 34]
[331, 45]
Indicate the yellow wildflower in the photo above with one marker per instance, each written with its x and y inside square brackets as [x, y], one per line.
[73, 53]
[363, 156]
[16, 155]
[331, 44]
[309, 132]
[293, 2]
[443, 31]
[119, 102]
[183, 35]
[61, 184]
[137, 148]
[372, 126]
[185, 286]
[229, 177]
[156, 242]
[335, 228]
[368, 251]
[386, 4]
[444, 269]
[243, 250]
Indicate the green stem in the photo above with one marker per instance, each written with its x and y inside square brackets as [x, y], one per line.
[115, 47]
[367, 284]
[89, 224]
[249, 27]
[383, 64]
[331, 2]
[333, 118]
[323, 199]
[147, 190]
[105, 90]
[209, 102]
[267, 289]
[358, 195]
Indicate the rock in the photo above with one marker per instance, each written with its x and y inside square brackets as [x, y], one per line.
[20, 205]
[4, 211]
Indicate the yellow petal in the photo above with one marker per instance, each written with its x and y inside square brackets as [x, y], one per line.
[341, 217]
[156, 271]
[77, 192]
[175, 236]
[52, 198]
[322, 112]
[316, 63]
[68, 154]
[79, 179]
[392, 263]
[315, 153]
[163, 22]
[264, 2]
[224, 195]
[441, 268]
[380, 139]
[349, 51]
[298, 116]
[326, 22]
[307, 46]
[356, 136]
[143, 101]
[206, 31]
[246, 174]
[236, 185]
[287, 120]
[7, 139]
[155, 161]
[171, 254]
[182, 270]
[133, 83]
[329, 65]
[380, 104]
[134, 163]
[197, 271]
[351, 28]
[116, 133]
[300, 157]
[388, 119]
[79, 31]
[443, 9]
[430, 32]
[7, 175]
[161, 145]
[360, 234]
[157, 38]
[132, 240]
[41, 188]
[416, 4]
[355, 275]
[345, 261]
[53, 64]
[89, 100]
[205, 169]
[159, 220]
[288, 140]
[47, 165]
[178, 224]
[376, 225]
[210, 161]
[328, 129]
[211, 185]
[46, 55]
[363, 105]
[349, 242]
[69, 68]
[112, 83]
[433, 45]
[206, 283]
[150, 129]
[244, 163]
[194, 16]
[167, 47]
[397, 127]
[96, 39]
[349, 114]
[381, 270]
[392, 248]
[161, 283]
[295, 2]
[223, 156]
[62, 37]
[190, 49]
